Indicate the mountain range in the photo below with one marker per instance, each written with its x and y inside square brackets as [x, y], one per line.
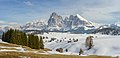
[57, 23]
[72, 24]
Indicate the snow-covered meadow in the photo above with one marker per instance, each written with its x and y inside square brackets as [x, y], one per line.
[108, 45]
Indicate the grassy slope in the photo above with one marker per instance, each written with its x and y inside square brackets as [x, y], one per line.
[32, 55]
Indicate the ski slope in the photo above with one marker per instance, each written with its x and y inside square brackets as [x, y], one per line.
[103, 44]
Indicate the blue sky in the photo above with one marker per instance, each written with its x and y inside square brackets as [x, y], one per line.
[21, 11]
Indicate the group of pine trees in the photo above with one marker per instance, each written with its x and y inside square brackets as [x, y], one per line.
[21, 38]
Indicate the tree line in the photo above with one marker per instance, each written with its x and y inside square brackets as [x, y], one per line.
[21, 38]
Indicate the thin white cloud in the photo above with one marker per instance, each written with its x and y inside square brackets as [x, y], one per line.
[8, 23]
[28, 3]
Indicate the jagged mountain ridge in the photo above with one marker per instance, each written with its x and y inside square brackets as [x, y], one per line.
[111, 29]
[57, 23]
[36, 25]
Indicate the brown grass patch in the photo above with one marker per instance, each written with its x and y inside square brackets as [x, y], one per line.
[46, 49]
[8, 49]
[32, 55]
[9, 45]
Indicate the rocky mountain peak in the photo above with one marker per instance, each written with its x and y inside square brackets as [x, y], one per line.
[53, 14]
[55, 20]
[78, 20]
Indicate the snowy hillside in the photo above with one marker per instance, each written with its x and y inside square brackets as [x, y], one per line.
[103, 44]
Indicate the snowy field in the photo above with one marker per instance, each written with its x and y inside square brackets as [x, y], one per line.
[103, 44]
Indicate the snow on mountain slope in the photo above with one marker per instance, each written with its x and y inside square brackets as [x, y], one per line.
[35, 25]
[81, 18]
[5, 28]
[110, 29]
[103, 44]
[117, 23]
[12, 27]
[114, 26]
[78, 20]
[87, 23]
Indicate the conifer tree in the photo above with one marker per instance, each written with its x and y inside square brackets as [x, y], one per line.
[3, 36]
[24, 39]
[81, 51]
[41, 43]
[37, 42]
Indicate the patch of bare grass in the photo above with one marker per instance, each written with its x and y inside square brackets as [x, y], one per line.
[32, 55]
